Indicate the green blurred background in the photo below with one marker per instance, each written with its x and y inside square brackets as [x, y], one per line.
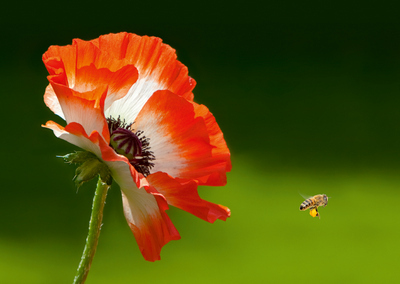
[307, 94]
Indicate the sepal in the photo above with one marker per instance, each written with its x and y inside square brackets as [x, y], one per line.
[89, 167]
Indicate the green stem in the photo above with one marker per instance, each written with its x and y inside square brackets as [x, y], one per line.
[94, 232]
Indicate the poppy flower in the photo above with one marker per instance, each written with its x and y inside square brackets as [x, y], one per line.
[127, 99]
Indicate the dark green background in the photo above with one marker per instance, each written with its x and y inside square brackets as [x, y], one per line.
[307, 94]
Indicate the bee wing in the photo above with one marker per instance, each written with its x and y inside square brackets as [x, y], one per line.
[305, 196]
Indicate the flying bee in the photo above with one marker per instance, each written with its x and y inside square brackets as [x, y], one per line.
[313, 203]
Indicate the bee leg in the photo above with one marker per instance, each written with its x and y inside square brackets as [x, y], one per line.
[316, 209]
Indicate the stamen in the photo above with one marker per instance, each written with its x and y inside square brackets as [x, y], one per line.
[133, 145]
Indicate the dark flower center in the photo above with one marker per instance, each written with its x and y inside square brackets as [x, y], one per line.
[133, 145]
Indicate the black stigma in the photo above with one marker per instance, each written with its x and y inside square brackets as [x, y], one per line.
[134, 142]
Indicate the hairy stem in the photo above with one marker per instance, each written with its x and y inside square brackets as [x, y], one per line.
[94, 232]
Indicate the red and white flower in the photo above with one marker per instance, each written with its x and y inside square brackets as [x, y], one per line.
[128, 100]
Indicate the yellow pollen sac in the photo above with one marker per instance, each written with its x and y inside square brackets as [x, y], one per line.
[313, 212]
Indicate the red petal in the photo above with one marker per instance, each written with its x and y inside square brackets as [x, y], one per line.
[80, 54]
[183, 194]
[152, 229]
[61, 60]
[152, 58]
[144, 212]
[88, 113]
[220, 150]
[181, 141]
[83, 67]
[89, 78]
[74, 133]
[51, 101]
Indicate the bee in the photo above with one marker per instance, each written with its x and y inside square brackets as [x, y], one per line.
[313, 203]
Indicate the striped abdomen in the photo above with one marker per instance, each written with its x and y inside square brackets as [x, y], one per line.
[307, 204]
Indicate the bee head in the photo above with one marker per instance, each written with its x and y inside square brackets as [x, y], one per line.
[325, 200]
